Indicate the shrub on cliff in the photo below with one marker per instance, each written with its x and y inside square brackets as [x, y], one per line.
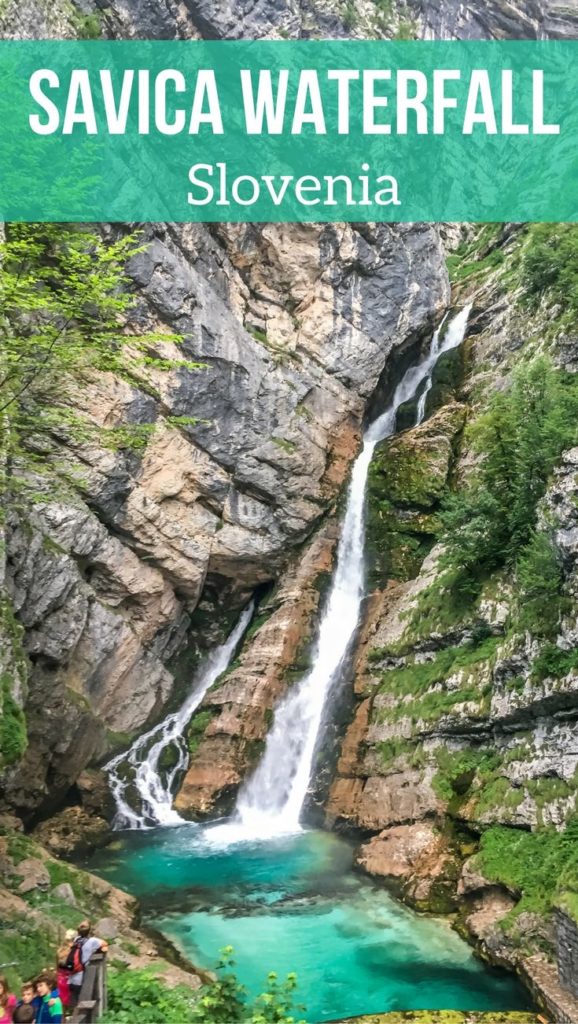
[63, 306]
[541, 865]
[550, 265]
[491, 522]
[140, 995]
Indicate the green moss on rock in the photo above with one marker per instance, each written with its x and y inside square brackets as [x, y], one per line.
[407, 479]
[445, 1017]
[13, 677]
[197, 728]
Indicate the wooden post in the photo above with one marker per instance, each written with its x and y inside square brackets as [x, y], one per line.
[93, 998]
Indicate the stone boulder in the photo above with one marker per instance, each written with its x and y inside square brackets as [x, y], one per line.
[376, 803]
[417, 859]
[34, 874]
[72, 831]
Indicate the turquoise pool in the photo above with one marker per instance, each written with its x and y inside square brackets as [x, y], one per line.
[295, 904]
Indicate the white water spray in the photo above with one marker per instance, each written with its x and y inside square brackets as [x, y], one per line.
[138, 767]
[271, 802]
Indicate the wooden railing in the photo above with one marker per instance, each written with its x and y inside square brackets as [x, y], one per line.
[92, 998]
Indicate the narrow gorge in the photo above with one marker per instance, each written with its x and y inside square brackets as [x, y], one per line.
[289, 628]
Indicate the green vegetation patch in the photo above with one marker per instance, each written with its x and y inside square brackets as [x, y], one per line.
[141, 995]
[549, 267]
[13, 737]
[407, 478]
[553, 663]
[197, 729]
[27, 946]
[458, 769]
[540, 865]
[490, 525]
[416, 678]
[13, 733]
[392, 750]
[477, 256]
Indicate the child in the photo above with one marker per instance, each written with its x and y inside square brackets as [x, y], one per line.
[28, 997]
[63, 971]
[51, 1011]
[7, 1002]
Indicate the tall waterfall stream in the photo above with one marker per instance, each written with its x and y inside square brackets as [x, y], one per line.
[271, 803]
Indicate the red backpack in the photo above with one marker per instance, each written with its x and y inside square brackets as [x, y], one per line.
[74, 962]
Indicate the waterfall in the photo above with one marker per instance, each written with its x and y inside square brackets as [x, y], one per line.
[433, 355]
[139, 769]
[271, 801]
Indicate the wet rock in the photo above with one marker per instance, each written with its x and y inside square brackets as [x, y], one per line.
[412, 469]
[240, 706]
[95, 793]
[471, 879]
[416, 857]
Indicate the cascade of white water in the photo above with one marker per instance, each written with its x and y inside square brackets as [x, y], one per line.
[271, 801]
[137, 769]
[433, 352]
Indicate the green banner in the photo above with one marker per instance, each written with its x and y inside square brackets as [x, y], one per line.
[289, 131]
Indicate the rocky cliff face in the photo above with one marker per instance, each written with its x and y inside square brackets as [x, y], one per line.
[466, 723]
[295, 326]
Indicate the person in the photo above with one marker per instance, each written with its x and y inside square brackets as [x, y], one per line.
[28, 997]
[7, 1002]
[63, 971]
[83, 948]
[50, 1011]
[24, 1014]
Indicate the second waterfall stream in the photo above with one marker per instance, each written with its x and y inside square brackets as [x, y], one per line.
[271, 802]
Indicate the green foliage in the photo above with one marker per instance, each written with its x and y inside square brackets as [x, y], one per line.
[417, 677]
[382, 19]
[224, 1000]
[27, 947]
[553, 663]
[133, 437]
[140, 995]
[87, 26]
[286, 446]
[406, 30]
[63, 302]
[550, 266]
[424, 682]
[196, 730]
[13, 732]
[476, 256]
[491, 523]
[350, 15]
[539, 590]
[457, 770]
[536, 864]
[257, 334]
[13, 736]
[275, 1004]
